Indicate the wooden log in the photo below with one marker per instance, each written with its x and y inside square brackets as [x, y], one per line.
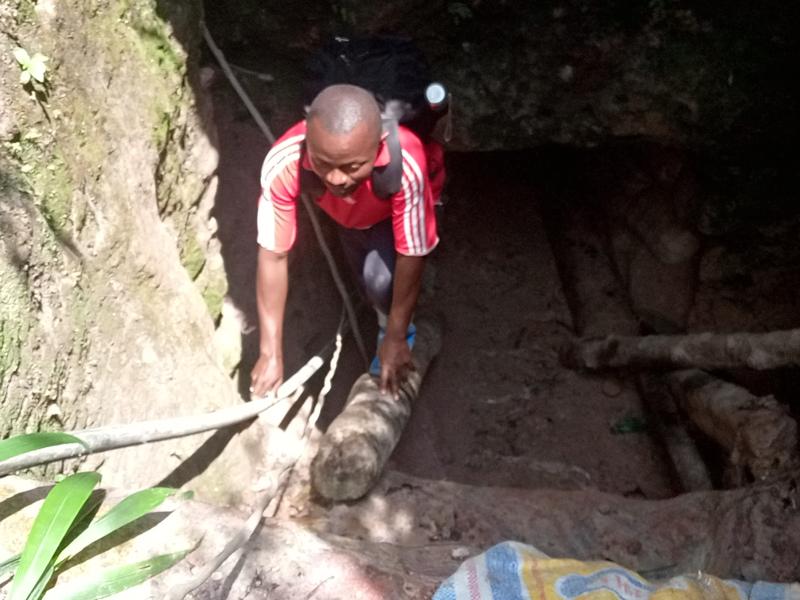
[595, 295]
[690, 470]
[599, 306]
[354, 450]
[661, 295]
[701, 350]
[759, 433]
[650, 190]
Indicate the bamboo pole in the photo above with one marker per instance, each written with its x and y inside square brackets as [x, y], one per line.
[122, 436]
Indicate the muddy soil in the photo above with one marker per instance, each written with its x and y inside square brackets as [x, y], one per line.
[497, 408]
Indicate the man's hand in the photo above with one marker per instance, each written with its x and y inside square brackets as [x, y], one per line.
[272, 282]
[267, 375]
[395, 357]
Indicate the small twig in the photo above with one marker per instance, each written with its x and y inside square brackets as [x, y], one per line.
[237, 541]
[273, 491]
[258, 75]
[316, 587]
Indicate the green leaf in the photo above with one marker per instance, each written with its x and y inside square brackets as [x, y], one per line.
[20, 444]
[38, 68]
[126, 511]
[9, 564]
[22, 56]
[25, 77]
[38, 590]
[82, 521]
[629, 425]
[115, 580]
[57, 515]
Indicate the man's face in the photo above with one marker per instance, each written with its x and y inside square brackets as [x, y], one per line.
[343, 161]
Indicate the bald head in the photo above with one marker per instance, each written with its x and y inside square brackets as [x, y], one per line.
[343, 134]
[339, 109]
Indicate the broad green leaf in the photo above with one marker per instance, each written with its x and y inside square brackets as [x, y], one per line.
[20, 444]
[58, 513]
[81, 522]
[25, 77]
[115, 580]
[38, 590]
[126, 511]
[22, 56]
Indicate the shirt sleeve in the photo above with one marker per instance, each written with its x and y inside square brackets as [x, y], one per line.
[413, 214]
[277, 205]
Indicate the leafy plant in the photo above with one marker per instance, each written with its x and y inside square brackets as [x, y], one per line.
[63, 528]
[33, 75]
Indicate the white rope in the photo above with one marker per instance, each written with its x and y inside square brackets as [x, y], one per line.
[337, 279]
[274, 489]
[237, 86]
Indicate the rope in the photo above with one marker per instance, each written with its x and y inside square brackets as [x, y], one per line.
[237, 86]
[273, 490]
[337, 278]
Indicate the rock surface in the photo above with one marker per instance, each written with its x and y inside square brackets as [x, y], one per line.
[563, 71]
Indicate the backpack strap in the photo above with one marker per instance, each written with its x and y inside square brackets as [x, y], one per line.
[310, 183]
[388, 179]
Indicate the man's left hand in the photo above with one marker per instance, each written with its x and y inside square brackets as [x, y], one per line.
[395, 357]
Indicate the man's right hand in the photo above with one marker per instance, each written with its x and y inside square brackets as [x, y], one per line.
[267, 375]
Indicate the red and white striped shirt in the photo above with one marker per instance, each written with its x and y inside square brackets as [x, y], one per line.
[411, 209]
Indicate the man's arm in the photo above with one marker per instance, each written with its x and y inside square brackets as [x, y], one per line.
[272, 282]
[394, 353]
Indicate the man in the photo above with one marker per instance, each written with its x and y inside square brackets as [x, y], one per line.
[385, 240]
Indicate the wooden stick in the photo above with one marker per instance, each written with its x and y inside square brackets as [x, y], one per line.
[599, 306]
[702, 350]
[360, 440]
[759, 433]
[239, 539]
[689, 468]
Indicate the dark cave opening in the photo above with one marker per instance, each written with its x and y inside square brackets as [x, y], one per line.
[659, 219]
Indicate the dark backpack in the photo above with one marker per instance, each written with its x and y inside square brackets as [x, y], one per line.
[396, 72]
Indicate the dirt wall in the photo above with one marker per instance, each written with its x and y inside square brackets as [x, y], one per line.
[110, 276]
